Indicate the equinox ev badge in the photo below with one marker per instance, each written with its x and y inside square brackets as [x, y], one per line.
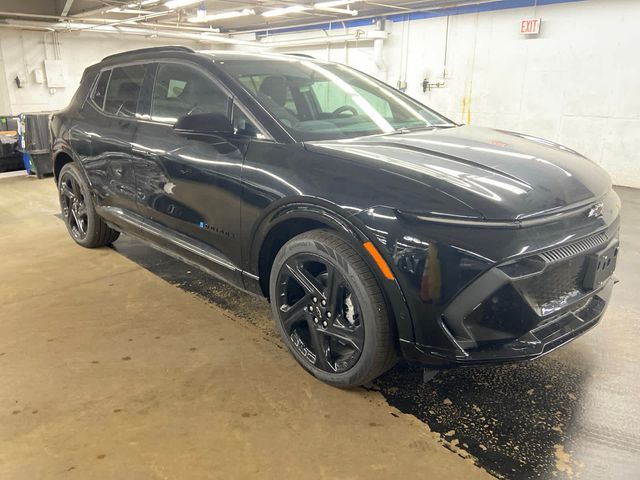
[596, 210]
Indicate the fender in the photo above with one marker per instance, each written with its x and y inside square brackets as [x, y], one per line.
[65, 149]
[295, 207]
[58, 148]
[350, 227]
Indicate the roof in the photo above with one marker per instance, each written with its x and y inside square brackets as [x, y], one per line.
[255, 55]
[168, 48]
[216, 54]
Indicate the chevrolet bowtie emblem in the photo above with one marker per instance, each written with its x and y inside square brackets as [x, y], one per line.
[596, 210]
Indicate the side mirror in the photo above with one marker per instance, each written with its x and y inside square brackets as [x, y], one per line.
[206, 123]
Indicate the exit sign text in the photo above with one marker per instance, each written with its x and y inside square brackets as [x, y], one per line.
[530, 26]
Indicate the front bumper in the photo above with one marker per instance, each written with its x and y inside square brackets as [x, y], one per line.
[499, 319]
[546, 336]
[479, 296]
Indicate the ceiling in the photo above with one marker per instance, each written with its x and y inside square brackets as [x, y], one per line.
[163, 14]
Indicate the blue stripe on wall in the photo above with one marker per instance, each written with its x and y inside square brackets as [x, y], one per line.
[442, 12]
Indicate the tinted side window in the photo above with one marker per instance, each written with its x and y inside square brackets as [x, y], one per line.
[181, 90]
[101, 89]
[242, 125]
[124, 90]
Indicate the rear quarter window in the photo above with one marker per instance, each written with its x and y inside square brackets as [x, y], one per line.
[123, 90]
[100, 90]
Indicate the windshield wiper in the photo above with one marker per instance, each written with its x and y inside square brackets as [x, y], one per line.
[404, 130]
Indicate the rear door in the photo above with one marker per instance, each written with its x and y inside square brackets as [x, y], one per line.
[111, 123]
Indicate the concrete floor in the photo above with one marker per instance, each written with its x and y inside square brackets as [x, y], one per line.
[107, 371]
[176, 375]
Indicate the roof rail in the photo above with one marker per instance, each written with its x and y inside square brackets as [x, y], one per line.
[168, 48]
[303, 55]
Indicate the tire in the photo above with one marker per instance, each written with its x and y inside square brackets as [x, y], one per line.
[350, 346]
[78, 212]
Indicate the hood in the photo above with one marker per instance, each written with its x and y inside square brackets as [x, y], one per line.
[501, 175]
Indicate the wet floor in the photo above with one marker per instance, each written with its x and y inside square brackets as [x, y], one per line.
[107, 371]
[573, 414]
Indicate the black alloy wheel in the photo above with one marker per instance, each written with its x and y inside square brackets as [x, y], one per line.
[74, 207]
[320, 313]
[330, 310]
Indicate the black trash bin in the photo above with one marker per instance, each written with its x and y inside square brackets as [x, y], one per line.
[10, 157]
[34, 143]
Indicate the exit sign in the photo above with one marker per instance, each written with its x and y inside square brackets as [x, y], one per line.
[530, 26]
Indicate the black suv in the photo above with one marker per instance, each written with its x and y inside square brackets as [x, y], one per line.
[375, 226]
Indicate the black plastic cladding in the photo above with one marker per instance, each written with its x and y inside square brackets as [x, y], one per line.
[168, 187]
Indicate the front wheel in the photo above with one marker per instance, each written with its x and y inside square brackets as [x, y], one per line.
[330, 310]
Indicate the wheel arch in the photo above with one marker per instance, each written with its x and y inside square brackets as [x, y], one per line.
[286, 222]
[291, 220]
[60, 159]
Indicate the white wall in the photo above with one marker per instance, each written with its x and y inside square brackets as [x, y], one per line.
[25, 51]
[577, 83]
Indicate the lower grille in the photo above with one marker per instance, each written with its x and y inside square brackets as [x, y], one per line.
[561, 282]
[558, 282]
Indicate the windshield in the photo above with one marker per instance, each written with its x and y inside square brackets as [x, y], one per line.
[324, 101]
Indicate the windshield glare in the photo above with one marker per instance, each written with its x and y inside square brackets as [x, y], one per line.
[322, 101]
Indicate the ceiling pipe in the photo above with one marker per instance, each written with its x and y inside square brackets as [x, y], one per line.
[128, 30]
[326, 40]
[99, 10]
[378, 44]
[67, 6]
[102, 21]
[426, 8]
[42, 16]
[27, 27]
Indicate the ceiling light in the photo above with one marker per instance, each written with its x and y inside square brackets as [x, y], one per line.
[142, 4]
[180, 3]
[222, 16]
[333, 3]
[341, 11]
[283, 11]
[125, 10]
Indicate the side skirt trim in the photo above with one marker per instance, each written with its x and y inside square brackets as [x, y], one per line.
[181, 241]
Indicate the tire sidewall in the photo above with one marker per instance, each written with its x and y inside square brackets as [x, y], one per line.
[92, 217]
[372, 313]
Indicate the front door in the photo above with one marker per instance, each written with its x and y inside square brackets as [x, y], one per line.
[189, 183]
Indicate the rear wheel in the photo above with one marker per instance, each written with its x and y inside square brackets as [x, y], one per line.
[330, 310]
[82, 221]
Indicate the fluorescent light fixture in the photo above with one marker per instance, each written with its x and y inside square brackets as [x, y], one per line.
[126, 10]
[142, 4]
[331, 7]
[221, 16]
[333, 4]
[285, 10]
[132, 5]
[180, 3]
[341, 11]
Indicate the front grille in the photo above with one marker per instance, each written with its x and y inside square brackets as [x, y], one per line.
[558, 283]
[576, 248]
